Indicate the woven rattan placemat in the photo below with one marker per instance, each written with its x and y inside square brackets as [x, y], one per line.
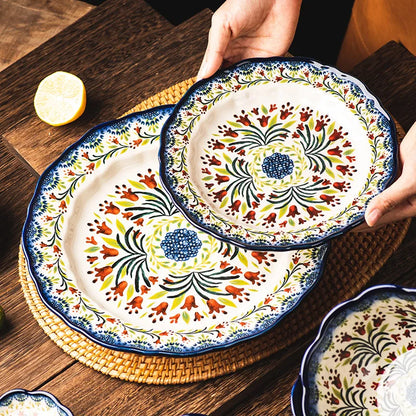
[353, 259]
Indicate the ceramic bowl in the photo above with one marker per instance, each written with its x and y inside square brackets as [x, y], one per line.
[363, 361]
[31, 403]
[112, 256]
[277, 154]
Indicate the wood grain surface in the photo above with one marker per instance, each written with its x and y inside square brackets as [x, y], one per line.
[121, 68]
[26, 24]
[22, 335]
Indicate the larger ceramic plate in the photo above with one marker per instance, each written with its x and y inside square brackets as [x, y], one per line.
[276, 154]
[363, 361]
[112, 256]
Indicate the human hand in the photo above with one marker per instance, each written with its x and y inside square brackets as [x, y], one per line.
[398, 201]
[242, 29]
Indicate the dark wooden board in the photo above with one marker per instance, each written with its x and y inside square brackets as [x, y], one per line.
[117, 80]
[28, 357]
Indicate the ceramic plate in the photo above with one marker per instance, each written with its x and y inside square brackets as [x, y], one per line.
[276, 154]
[112, 256]
[31, 403]
[363, 361]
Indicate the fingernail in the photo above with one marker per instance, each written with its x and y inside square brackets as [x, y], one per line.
[202, 71]
[373, 216]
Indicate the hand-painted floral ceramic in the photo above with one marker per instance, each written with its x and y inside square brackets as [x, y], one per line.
[363, 362]
[276, 154]
[112, 256]
[31, 403]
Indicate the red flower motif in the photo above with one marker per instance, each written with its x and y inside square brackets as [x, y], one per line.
[293, 211]
[244, 120]
[336, 134]
[131, 196]
[360, 329]
[259, 256]
[174, 318]
[271, 218]
[149, 181]
[230, 133]
[161, 308]
[344, 169]
[218, 145]
[112, 209]
[313, 212]
[221, 178]
[214, 306]
[136, 303]
[337, 381]
[189, 303]
[305, 114]
[213, 161]
[344, 354]
[285, 113]
[119, 289]
[104, 229]
[321, 123]
[336, 151]
[108, 252]
[264, 120]
[346, 338]
[234, 291]
[252, 277]
[339, 185]
[250, 216]
[328, 199]
[235, 207]
[219, 196]
[91, 240]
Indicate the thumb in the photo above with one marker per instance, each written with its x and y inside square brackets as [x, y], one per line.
[218, 39]
[383, 203]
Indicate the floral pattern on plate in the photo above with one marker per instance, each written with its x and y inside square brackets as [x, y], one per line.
[363, 361]
[31, 403]
[276, 154]
[111, 254]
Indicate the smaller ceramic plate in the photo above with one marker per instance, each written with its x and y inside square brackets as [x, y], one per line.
[277, 154]
[363, 361]
[31, 403]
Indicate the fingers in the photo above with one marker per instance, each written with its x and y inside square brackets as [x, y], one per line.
[397, 201]
[218, 40]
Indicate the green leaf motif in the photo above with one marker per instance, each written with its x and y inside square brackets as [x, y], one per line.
[92, 249]
[111, 241]
[158, 295]
[227, 302]
[120, 227]
[186, 317]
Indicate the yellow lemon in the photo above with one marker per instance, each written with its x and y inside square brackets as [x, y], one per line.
[60, 98]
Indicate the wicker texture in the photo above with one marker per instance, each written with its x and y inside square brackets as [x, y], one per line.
[353, 259]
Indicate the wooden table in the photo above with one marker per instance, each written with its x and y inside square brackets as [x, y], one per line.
[126, 52]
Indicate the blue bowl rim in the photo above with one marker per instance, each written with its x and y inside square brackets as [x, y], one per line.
[41, 393]
[301, 384]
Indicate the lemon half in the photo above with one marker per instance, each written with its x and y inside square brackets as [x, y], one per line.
[60, 98]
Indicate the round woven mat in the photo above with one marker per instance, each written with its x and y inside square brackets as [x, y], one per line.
[353, 259]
